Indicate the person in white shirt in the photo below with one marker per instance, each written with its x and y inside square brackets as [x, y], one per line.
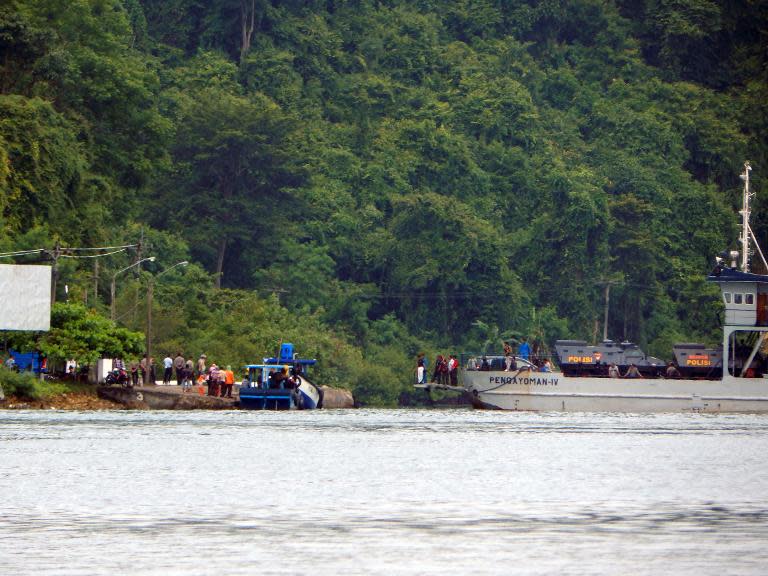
[453, 370]
[168, 365]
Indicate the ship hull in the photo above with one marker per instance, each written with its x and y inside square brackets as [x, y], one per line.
[554, 392]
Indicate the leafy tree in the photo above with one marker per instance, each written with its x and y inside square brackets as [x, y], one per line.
[44, 164]
[234, 172]
[85, 336]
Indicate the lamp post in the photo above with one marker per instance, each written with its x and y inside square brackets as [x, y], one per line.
[113, 287]
[150, 295]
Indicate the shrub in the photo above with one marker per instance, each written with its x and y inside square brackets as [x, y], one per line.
[20, 384]
[28, 386]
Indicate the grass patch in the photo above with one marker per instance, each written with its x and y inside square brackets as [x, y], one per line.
[28, 386]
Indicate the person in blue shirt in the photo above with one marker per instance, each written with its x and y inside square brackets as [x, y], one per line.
[524, 349]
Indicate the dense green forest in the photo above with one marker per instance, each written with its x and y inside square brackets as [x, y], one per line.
[370, 179]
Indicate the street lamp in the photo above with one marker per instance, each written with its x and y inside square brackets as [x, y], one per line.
[150, 294]
[114, 277]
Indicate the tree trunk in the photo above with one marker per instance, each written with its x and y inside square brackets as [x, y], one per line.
[220, 260]
[247, 26]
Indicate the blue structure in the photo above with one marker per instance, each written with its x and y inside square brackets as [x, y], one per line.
[280, 383]
[28, 361]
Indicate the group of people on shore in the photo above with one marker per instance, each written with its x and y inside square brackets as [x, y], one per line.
[136, 369]
[219, 381]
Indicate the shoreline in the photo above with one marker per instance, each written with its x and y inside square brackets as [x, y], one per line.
[70, 400]
[153, 397]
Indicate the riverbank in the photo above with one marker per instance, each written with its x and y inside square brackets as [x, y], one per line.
[77, 396]
[73, 399]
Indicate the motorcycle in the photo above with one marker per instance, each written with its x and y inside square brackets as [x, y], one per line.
[118, 377]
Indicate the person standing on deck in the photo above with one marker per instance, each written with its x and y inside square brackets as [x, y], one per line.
[524, 350]
[507, 357]
[421, 368]
[436, 371]
[453, 370]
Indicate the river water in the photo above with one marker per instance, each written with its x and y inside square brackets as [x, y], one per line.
[382, 492]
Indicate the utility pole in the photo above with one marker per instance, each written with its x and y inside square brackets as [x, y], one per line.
[138, 257]
[95, 281]
[605, 314]
[55, 271]
[150, 295]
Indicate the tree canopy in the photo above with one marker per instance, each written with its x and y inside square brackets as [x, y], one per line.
[393, 176]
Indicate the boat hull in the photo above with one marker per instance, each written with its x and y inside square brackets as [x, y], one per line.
[306, 396]
[554, 392]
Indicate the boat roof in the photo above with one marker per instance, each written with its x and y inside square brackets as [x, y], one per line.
[734, 275]
[290, 362]
[280, 365]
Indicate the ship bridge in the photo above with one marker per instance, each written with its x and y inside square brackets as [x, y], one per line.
[745, 326]
[745, 296]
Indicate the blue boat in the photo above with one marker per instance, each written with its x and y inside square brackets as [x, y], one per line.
[280, 383]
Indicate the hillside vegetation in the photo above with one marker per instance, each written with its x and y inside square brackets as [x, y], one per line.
[369, 179]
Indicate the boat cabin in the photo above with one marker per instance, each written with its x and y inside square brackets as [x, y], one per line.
[275, 381]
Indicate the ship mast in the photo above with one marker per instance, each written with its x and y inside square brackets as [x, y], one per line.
[745, 231]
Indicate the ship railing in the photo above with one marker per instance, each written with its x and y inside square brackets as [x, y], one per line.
[470, 361]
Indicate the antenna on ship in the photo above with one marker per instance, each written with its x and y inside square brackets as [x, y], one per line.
[745, 212]
[746, 230]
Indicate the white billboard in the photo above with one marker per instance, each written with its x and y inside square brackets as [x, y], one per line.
[25, 297]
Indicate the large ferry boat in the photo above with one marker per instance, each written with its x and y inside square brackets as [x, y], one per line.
[728, 379]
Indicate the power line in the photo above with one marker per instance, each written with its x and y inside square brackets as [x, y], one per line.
[64, 252]
[21, 253]
[92, 255]
[105, 248]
